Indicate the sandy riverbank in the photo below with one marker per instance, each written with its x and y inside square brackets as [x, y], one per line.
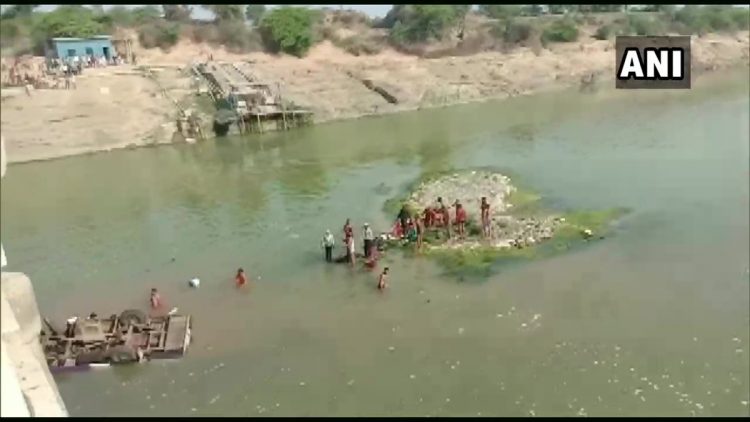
[116, 108]
[110, 108]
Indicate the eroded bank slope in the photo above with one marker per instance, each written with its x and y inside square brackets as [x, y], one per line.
[118, 108]
[332, 82]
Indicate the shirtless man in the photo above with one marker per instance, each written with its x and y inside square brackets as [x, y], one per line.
[348, 230]
[240, 278]
[460, 219]
[420, 232]
[382, 280]
[485, 209]
[446, 218]
[349, 241]
[155, 299]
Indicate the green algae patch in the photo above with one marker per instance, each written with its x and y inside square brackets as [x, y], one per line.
[479, 262]
[593, 220]
[524, 201]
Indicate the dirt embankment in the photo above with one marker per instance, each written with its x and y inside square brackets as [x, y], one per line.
[335, 84]
[114, 109]
[110, 108]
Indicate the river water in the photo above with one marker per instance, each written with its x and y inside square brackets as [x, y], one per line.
[651, 321]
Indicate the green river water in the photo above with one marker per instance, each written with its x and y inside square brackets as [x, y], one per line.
[653, 320]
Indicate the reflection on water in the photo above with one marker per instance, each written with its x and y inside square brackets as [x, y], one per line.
[653, 321]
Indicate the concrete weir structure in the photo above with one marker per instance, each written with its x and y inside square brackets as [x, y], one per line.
[28, 388]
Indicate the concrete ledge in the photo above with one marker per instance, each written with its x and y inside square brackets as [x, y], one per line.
[13, 402]
[21, 324]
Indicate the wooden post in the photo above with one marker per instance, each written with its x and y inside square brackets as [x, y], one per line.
[260, 126]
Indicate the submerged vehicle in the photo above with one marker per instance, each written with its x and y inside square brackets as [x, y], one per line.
[128, 338]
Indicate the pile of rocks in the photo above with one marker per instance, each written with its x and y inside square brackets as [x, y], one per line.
[523, 232]
[469, 187]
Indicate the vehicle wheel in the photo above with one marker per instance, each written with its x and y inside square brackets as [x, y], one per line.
[96, 356]
[132, 316]
[121, 354]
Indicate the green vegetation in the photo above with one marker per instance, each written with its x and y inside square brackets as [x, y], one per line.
[500, 11]
[512, 31]
[254, 12]
[18, 11]
[288, 29]
[595, 221]
[604, 32]
[70, 21]
[226, 12]
[689, 20]
[644, 25]
[523, 200]
[421, 23]
[561, 30]
[160, 34]
[177, 12]
[480, 260]
[410, 27]
[700, 20]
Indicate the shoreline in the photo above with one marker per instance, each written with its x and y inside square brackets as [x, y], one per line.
[148, 117]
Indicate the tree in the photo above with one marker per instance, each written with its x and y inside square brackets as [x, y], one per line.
[532, 10]
[500, 11]
[98, 9]
[393, 15]
[146, 14]
[226, 12]
[561, 30]
[606, 8]
[69, 21]
[18, 11]
[120, 15]
[557, 9]
[177, 12]
[254, 12]
[288, 29]
[419, 23]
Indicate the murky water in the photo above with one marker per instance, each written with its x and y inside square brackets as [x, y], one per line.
[652, 321]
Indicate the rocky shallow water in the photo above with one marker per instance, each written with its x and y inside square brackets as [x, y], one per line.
[508, 229]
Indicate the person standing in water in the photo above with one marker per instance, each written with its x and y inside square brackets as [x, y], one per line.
[240, 278]
[485, 209]
[327, 244]
[350, 249]
[348, 231]
[383, 279]
[155, 299]
[403, 217]
[368, 240]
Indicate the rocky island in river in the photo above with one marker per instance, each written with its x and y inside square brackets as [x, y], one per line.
[520, 227]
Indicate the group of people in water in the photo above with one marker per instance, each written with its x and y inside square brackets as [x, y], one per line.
[409, 227]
